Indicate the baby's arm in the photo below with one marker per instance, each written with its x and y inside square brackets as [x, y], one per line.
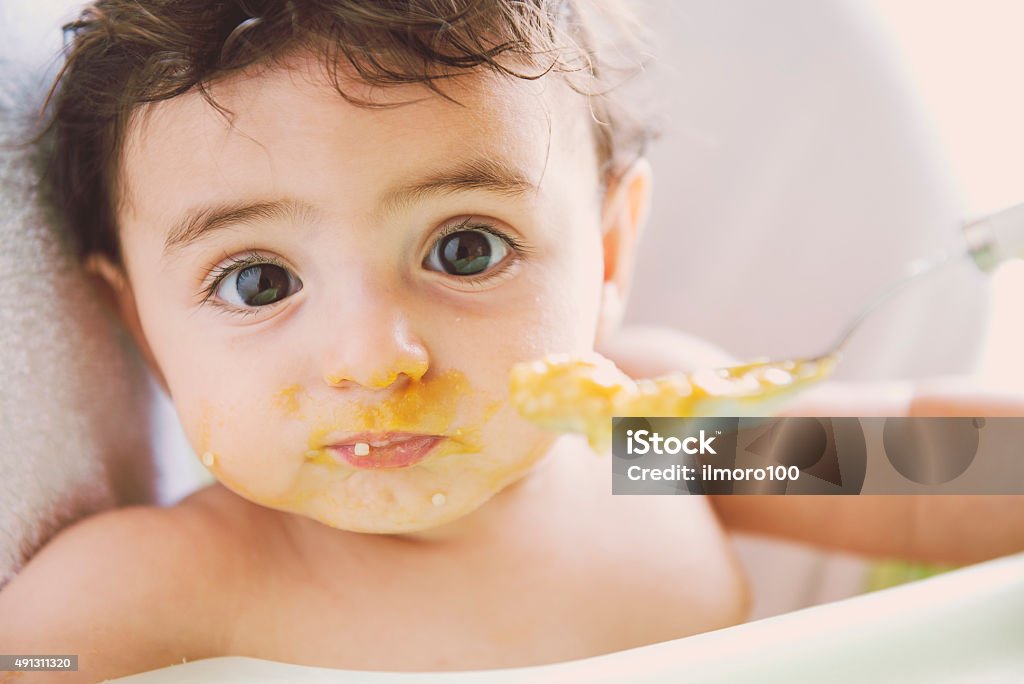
[952, 529]
[116, 589]
[955, 529]
[945, 529]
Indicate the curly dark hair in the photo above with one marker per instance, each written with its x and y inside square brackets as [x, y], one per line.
[124, 53]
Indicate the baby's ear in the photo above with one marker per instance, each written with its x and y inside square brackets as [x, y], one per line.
[112, 284]
[107, 279]
[623, 217]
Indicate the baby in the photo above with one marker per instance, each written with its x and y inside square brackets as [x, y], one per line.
[333, 227]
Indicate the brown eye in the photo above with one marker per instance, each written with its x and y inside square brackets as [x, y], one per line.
[258, 285]
[467, 252]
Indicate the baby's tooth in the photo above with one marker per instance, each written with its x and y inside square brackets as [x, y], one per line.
[362, 449]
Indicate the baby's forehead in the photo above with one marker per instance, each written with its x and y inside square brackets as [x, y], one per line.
[292, 113]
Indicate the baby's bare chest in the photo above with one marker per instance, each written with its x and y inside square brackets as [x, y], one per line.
[616, 573]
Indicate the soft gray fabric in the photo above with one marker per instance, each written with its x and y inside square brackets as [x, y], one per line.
[75, 400]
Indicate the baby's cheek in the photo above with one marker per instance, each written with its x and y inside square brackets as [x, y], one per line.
[562, 320]
[241, 448]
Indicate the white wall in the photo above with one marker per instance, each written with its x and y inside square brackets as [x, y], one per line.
[799, 173]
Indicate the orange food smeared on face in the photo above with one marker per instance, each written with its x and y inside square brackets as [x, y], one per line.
[421, 406]
[427, 406]
[313, 480]
[288, 400]
[384, 379]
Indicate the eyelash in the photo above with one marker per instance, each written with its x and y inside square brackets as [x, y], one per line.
[252, 258]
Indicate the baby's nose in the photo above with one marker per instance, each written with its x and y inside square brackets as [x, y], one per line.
[376, 353]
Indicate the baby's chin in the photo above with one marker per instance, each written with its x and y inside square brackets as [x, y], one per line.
[434, 499]
[395, 507]
[378, 504]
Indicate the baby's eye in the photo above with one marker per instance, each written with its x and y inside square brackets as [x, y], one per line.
[467, 252]
[257, 285]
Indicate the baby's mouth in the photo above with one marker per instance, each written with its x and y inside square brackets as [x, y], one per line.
[370, 450]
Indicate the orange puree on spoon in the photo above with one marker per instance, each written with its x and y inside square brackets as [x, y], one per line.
[582, 394]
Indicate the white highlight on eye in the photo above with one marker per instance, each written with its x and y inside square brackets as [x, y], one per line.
[362, 449]
[208, 459]
[438, 499]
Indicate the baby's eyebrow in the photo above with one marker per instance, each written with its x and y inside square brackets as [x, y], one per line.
[198, 223]
[484, 173]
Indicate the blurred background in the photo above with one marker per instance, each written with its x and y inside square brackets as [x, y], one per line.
[811, 151]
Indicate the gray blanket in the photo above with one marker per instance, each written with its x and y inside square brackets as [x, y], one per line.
[74, 397]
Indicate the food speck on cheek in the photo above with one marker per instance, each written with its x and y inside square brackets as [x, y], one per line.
[288, 400]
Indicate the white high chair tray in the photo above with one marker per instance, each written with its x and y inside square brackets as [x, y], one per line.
[963, 626]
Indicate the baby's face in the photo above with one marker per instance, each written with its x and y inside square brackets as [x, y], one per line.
[323, 275]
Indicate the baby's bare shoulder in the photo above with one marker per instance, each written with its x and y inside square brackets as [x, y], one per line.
[127, 590]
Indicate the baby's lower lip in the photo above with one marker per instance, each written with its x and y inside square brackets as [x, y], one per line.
[398, 454]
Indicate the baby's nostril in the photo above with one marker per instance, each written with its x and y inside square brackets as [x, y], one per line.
[335, 380]
[382, 380]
